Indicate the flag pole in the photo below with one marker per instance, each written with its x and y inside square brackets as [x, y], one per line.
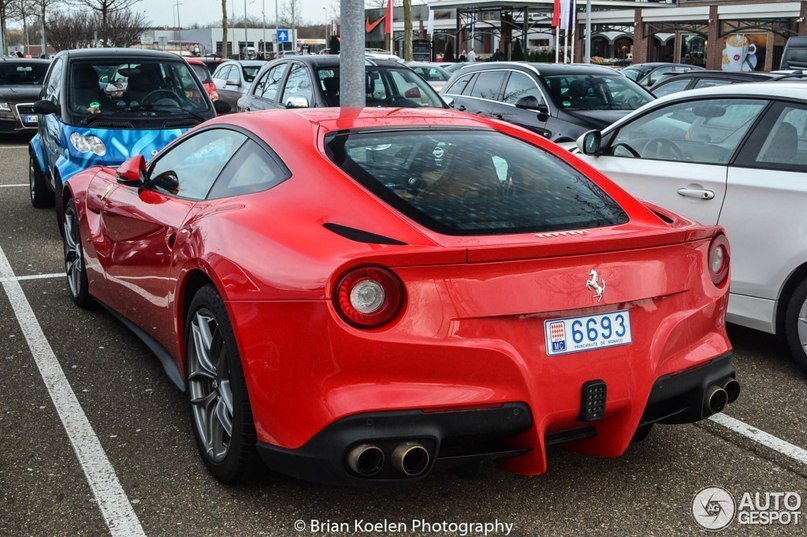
[574, 28]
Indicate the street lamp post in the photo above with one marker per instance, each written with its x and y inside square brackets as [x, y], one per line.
[246, 40]
[277, 42]
[179, 24]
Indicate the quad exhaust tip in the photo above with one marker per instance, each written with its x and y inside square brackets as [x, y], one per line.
[732, 389]
[365, 460]
[411, 459]
[716, 400]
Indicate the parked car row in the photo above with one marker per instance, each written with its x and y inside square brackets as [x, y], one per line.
[519, 298]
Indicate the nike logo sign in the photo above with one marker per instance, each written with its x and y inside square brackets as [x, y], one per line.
[370, 26]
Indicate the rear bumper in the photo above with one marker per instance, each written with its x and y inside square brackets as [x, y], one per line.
[461, 437]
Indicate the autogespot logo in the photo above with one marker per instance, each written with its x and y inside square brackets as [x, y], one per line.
[713, 508]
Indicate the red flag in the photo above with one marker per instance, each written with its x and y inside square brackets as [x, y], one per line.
[556, 14]
[388, 21]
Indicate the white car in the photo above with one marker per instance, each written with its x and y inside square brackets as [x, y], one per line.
[734, 156]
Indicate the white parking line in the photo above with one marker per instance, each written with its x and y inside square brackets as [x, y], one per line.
[14, 185]
[13, 147]
[33, 277]
[761, 437]
[112, 500]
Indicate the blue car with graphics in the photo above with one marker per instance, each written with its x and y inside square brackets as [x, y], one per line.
[103, 106]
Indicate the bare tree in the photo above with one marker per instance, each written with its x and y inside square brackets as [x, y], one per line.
[125, 27]
[291, 13]
[224, 29]
[21, 10]
[71, 30]
[4, 10]
[105, 8]
[43, 7]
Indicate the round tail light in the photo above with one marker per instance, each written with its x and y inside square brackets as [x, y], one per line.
[368, 297]
[719, 255]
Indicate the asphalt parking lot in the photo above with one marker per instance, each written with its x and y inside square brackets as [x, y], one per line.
[140, 420]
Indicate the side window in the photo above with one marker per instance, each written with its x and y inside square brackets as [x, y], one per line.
[518, 86]
[53, 90]
[784, 146]
[706, 131]
[269, 86]
[459, 85]
[220, 72]
[298, 84]
[488, 84]
[252, 169]
[671, 87]
[189, 169]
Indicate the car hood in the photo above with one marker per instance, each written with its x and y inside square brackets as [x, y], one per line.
[597, 119]
[20, 93]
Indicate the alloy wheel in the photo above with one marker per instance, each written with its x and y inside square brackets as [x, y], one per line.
[211, 393]
[802, 325]
[73, 258]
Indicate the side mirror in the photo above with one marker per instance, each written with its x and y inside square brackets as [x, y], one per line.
[448, 100]
[528, 102]
[45, 107]
[167, 181]
[233, 82]
[589, 143]
[412, 93]
[297, 102]
[133, 171]
[222, 107]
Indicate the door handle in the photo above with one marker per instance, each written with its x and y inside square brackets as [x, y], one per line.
[461, 108]
[697, 193]
[498, 116]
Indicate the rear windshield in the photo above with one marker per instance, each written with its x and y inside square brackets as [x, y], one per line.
[596, 92]
[22, 74]
[798, 55]
[473, 182]
[250, 71]
[202, 72]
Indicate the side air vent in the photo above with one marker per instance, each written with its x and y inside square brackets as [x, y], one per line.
[359, 235]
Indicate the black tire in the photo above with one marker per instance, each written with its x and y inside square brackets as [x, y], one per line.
[75, 268]
[41, 196]
[239, 461]
[797, 309]
[642, 432]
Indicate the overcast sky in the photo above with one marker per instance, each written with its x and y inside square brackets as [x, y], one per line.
[160, 12]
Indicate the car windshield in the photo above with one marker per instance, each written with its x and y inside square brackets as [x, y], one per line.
[389, 86]
[596, 92]
[22, 74]
[142, 89]
[250, 71]
[468, 182]
[635, 73]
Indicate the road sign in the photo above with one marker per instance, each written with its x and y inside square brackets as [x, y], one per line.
[284, 36]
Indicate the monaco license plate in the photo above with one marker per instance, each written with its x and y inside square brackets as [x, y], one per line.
[589, 332]
[29, 118]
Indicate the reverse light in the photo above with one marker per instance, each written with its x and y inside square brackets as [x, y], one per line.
[368, 297]
[719, 256]
[88, 144]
